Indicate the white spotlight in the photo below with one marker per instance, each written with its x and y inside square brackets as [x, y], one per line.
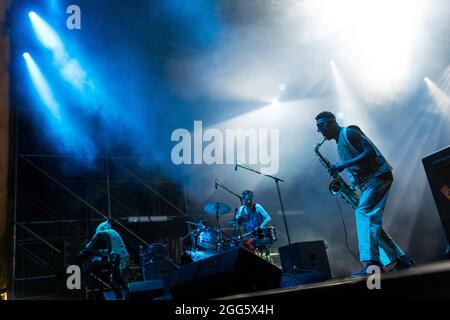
[282, 86]
[426, 79]
[48, 37]
[377, 39]
[26, 55]
[343, 36]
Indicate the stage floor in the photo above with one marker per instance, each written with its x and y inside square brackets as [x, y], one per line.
[430, 281]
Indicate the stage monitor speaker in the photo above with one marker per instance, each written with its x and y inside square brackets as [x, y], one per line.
[308, 256]
[145, 290]
[437, 169]
[231, 272]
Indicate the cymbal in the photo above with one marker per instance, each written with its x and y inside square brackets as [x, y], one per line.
[216, 207]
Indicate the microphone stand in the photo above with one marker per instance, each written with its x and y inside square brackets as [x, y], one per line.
[277, 181]
[218, 184]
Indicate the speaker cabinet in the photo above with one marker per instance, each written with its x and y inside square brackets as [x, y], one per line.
[306, 256]
[437, 169]
[231, 272]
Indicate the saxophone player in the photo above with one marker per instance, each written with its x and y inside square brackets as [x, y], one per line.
[372, 174]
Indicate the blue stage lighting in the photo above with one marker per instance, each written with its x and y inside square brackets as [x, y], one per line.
[42, 86]
[69, 67]
[48, 37]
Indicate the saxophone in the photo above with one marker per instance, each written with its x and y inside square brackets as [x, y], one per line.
[337, 186]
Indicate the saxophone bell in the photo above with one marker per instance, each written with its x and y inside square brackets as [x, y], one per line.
[334, 187]
[337, 186]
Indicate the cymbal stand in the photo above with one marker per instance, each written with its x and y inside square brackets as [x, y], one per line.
[219, 232]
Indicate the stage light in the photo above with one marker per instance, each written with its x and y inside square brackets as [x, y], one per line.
[41, 85]
[69, 67]
[440, 97]
[69, 137]
[343, 36]
[347, 104]
[48, 37]
[426, 79]
[378, 39]
[282, 86]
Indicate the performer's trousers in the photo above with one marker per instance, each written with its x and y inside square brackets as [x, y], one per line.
[374, 243]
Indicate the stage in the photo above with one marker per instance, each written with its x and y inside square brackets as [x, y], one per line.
[430, 281]
[197, 150]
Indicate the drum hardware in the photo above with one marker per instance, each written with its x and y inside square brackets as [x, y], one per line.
[263, 237]
[217, 209]
[205, 241]
[197, 224]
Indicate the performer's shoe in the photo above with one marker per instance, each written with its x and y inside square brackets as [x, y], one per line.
[364, 272]
[404, 262]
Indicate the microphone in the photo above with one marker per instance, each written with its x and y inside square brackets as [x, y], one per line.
[215, 183]
[235, 166]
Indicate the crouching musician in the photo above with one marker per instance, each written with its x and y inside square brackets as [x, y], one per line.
[107, 251]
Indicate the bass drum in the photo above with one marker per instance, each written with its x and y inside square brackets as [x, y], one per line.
[207, 239]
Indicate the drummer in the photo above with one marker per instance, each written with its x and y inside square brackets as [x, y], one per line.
[252, 216]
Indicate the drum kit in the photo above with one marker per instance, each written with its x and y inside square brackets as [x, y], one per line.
[206, 241]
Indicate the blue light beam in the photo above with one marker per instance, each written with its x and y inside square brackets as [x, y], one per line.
[69, 67]
[48, 37]
[42, 86]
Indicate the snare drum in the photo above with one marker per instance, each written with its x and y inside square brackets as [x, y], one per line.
[264, 236]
